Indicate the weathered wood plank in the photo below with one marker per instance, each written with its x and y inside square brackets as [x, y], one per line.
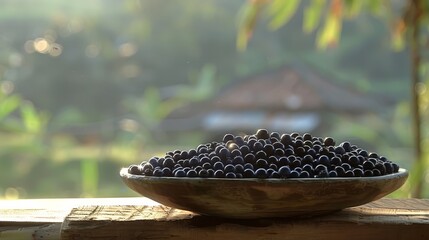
[55, 210]
[383, 219]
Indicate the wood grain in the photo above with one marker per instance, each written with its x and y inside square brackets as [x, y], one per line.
[383, 219]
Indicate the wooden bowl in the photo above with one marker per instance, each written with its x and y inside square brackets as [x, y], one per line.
[261, 198]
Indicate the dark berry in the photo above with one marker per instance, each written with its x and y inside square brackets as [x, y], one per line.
[283, 161]
[230, 175]
[248, 173]
[286, 139]
[180, 173]
[340, 171]
[381, 168]
[239, 168]
[229, 168]
[219, 174]
[395, 167]
[353, 161]
[336, 161]
[368, 173]
[250, 158]
[376, 172]
[157, 172]
[238, 160]
[358, 172]
[258, 146]
[261, 173]
[227, 137]
[293, 174]
[363, 153]
[284, 171]
[324, 160]
[269, 149]
[329, 141]
[218, 166]
[262, 134]
[304, 174]
[261, 163]
[193, 162]
[248, 166]
[346, 146]
[339, 150]
[135, 169]
[368, 165]
[275, 174]
[244, 150]
[349, 173]
[388, 166]
[332, 173]
[346, 166]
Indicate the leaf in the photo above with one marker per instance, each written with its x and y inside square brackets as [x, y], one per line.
[32, 121]
[282, 11]
[353, 7]
[330, 33]
[248, 15]
[8, 105]
[312, 15]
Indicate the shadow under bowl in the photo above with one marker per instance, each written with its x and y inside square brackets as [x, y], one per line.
[249, 198]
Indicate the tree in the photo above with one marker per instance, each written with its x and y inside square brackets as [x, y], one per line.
[406, 28]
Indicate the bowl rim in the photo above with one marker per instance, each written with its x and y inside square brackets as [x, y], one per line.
[402, 172]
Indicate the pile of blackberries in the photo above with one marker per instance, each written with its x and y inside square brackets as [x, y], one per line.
[268, 155]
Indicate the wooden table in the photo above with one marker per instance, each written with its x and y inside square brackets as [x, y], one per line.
[141, 218]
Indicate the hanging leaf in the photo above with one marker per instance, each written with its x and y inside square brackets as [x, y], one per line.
[282, 11]
[330, 33]
[247, 19]
[312, 15]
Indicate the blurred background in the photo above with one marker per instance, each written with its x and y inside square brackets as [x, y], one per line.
[89, 87]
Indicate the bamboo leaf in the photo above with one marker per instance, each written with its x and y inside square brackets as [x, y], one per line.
[312, 15]
[282, 11]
